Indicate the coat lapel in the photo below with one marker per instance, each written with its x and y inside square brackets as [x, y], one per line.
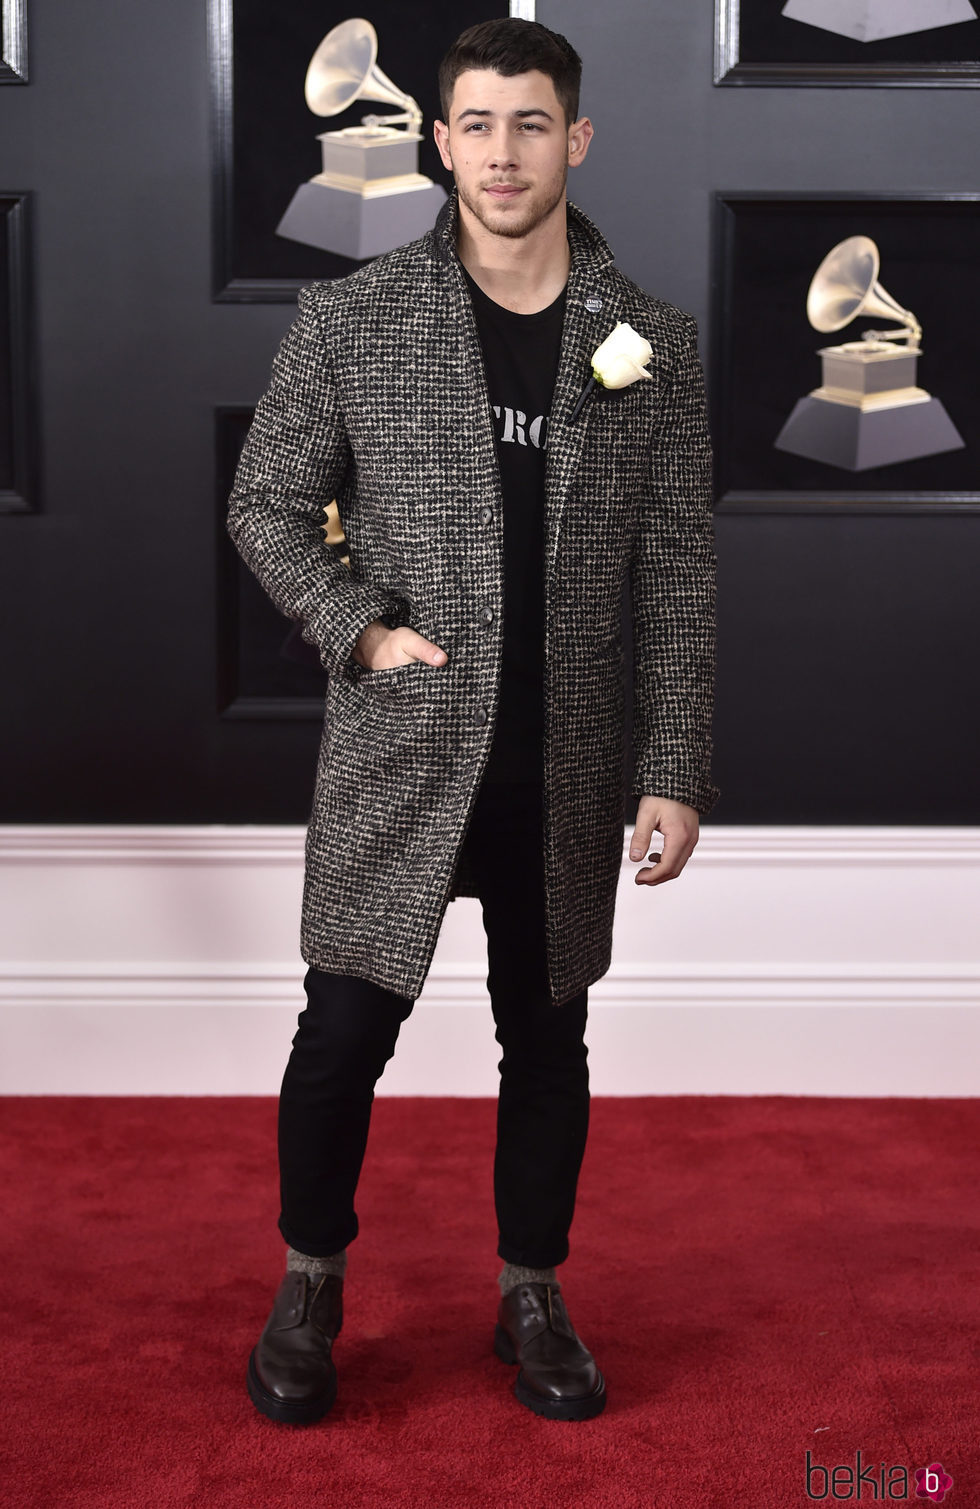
[583, 331]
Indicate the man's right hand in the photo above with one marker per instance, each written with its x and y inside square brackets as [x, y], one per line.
[379, 648]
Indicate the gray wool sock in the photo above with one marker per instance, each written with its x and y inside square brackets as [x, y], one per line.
[512, 1274]
[316, 1267]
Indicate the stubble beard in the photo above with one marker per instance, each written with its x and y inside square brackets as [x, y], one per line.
[514, 227]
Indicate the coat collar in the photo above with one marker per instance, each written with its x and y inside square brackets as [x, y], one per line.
[589, 248]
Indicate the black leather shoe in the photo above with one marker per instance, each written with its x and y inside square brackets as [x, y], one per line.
[291, 1374]
[558, 1376]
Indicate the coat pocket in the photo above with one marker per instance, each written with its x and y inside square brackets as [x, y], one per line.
[384, 703]
[396, 684]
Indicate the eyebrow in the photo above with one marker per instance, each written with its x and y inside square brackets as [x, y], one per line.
[521, 114]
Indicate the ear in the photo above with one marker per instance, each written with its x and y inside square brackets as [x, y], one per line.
[440, 132]
[579, 135]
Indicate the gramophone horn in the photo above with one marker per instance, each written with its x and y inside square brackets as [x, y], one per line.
[344, 68]
[846, 285]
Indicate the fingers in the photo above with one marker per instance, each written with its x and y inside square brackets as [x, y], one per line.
[417, 647]
[380, 648]
[677, 850]
[680, 833]
[648, 877]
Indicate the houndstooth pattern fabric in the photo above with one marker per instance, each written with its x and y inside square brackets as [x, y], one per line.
[378, 399]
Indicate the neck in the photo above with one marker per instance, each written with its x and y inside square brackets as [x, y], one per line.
[523, 273]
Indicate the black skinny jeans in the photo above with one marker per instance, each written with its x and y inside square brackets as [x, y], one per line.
[347, 1034]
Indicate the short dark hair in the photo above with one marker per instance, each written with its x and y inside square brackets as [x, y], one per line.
[510, 46]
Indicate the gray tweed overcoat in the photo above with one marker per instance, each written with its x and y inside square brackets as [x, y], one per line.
[378, 399]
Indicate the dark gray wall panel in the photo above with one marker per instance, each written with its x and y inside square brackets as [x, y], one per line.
[848, 645]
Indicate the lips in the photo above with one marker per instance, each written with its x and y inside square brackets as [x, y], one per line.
[504, 191]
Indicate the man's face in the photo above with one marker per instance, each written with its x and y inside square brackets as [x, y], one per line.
[509, 149]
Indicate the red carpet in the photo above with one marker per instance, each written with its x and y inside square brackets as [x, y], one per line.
[758, 1278]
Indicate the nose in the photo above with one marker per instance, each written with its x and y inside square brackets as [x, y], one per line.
[502, 154]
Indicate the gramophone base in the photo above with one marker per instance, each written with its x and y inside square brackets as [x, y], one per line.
[872, 20]
[351, 225]
[845, 436]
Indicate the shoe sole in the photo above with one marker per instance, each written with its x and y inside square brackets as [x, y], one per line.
[584, 1408]
[288, 1411]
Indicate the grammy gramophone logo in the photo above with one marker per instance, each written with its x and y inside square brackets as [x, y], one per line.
[369, 195]
[868, 410]
[874, 20]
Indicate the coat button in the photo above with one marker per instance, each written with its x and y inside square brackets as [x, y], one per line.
[486, 514]
[487, 615]
[480, 715]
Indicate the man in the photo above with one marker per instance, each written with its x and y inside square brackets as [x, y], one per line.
[473, 731]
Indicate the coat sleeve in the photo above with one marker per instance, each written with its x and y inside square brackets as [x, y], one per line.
[295, 457]
[672, 583]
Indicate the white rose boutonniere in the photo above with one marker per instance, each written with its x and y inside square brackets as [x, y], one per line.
[619, 361]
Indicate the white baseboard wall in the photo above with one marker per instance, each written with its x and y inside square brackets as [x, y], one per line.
[794, 961]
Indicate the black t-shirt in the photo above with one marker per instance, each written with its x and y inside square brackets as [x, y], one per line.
[520, 355]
